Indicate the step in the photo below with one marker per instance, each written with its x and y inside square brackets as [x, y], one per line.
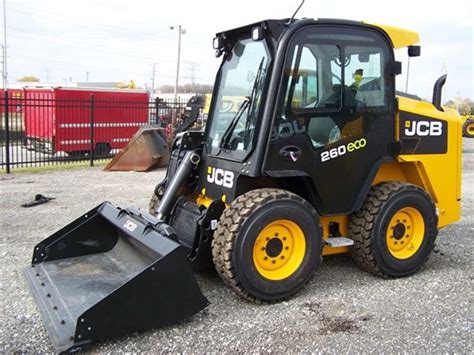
[339, 242]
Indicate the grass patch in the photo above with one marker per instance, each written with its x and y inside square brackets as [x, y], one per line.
[55, 167]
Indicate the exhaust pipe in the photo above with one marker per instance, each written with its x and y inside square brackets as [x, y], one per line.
[190, 159]
[438, 90]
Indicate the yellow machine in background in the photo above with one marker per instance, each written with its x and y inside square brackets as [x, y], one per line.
[467, 126]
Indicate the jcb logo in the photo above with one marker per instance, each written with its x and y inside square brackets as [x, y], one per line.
[220, 177]
[287, 129]
[423, 128]
[129, 225]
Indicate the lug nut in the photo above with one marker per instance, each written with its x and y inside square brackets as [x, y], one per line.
[265, 258]
[276, 234]
[263, 248]
[282, 257]
[273, 261]
[286, 248]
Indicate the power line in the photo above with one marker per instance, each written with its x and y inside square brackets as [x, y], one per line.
[83, 22]
[192, 69]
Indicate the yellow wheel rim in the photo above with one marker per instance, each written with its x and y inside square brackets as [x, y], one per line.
[470, 129]
[279, 249]
[405, 233]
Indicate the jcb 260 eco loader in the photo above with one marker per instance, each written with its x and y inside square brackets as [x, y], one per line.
[322, 157]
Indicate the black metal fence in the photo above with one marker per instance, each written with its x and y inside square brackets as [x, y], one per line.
[38, 128]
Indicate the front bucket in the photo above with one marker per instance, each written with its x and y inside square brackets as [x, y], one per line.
[108, 273]
[146, 150]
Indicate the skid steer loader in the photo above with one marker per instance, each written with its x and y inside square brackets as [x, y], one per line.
[322, 157]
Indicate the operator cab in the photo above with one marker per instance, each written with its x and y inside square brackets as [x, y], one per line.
[316, 107]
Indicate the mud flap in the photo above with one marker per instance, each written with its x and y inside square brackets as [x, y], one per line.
[108, 273]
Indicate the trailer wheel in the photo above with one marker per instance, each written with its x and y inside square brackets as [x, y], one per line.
[468, 128]
[78, 153]
[395, 231]
[102, 150]
[267, 245]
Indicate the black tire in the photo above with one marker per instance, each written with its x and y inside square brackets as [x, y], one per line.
[77, 153]
[154, 204]
[235, 241]
[156, 199]
[468, 128]
[374, 242]
[102, 150]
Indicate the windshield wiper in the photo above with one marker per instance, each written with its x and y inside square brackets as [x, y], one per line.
[248, 104]
[233, 123]
[253, 95]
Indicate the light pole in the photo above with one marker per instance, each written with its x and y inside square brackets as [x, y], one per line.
[181, 31]
[5, 73]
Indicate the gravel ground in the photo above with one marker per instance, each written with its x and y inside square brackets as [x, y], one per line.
[343, 309]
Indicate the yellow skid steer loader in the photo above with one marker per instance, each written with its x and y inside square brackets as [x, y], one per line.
[322, 156]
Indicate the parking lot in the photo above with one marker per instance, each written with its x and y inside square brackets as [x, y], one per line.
[342, 309]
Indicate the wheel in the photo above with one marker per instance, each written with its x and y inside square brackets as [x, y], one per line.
[154, 204]
[267, 244]
[77, 153]
[156, 199]
[102, 150]
[468, 128]
[395, 231]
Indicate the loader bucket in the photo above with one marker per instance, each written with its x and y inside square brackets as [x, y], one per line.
[108, 273]
[147, 149]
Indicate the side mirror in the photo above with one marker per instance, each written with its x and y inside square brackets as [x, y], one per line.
[257, 33]
[414, 51]
[217, 43]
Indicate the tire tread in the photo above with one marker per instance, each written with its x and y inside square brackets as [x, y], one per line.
[361, 224]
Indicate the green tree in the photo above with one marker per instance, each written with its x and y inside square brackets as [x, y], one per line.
[29, 78]
[464, 105]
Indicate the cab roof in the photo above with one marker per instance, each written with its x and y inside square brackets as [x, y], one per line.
[399, 37]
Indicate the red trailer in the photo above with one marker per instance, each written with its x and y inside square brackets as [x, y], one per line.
[65, 119]
[15, 101]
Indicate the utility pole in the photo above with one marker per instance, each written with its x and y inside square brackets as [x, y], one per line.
[181, 31]
[87, 76]
[192, 69]
[5, 73]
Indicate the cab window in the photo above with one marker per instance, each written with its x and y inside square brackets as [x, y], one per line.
[335, 84]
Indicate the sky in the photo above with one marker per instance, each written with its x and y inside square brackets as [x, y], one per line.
[118, 40]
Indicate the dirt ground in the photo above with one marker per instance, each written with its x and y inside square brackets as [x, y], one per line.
[343, 309]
